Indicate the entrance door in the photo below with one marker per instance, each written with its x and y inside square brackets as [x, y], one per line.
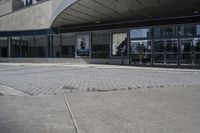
[186, 51]
[140, 52]
[165, 51]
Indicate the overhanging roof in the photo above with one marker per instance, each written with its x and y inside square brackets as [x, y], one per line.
[80, 12]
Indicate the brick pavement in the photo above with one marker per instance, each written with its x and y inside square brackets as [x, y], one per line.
[58, 79]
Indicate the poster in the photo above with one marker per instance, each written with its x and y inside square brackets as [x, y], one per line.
[83, 45]
[119, 44]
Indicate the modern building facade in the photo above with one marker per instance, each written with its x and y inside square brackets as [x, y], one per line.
[137, 32]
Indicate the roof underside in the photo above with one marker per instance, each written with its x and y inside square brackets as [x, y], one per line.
[104, 11]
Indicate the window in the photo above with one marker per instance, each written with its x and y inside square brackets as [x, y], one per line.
[41, 46]
[119, 44]
[140, 33]
[190, 30]
[169, 31]
[15, 46]
[56, 46]
[3, 47]
[68, 45]
[100, 44]
[28, 46]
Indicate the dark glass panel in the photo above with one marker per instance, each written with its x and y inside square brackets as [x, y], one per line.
[3, 47]
[100, 44]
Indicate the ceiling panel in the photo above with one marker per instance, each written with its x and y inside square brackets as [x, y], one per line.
[102, 11]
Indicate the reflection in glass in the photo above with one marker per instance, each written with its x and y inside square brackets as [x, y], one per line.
[41, 46]
[68, 45]
[170, 31]
[197, 50]
[159, 51]
[140, 33]
[100, 44]
[28, 47]
[190, 30]
[119, 44]
[159, 46]
[3, 47]
[56, 46]
[171, 51]
[186, 51]
[141, 51]
[15, 46]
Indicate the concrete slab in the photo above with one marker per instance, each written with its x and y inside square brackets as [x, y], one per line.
[159, 110]
[138, 111]
[34, 115]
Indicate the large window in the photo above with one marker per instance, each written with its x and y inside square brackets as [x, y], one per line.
[3, 47]
[41, 46]
[140, 33]
[190, 30]
[197, 50]
[57, 46]
[166, 51]
[119, 44]
[140, 51]
[28, 47]
[15, 46]
[100, 44]
[167, 31]
[68, 45]
[186, 54]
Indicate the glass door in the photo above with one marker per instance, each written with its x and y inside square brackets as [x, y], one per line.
[186, 51]
[140, 52]
[165, 51]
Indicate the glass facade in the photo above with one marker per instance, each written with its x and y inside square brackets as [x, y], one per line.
[68, 45]
[155, 45]
[100, 44]
[3, 47]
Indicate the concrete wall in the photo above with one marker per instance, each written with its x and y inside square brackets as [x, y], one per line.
[30, 18]
[5, 7]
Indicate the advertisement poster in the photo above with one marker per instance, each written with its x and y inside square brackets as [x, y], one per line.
[119, 44]
[83, 45]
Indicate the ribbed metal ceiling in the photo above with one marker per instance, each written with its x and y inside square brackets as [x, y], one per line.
[102, 11]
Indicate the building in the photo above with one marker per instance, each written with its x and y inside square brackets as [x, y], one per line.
[137, 32]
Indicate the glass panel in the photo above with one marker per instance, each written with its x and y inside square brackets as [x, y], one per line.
[190, 30]
[197, 59]
[100, 44]
[68, 45]
[171, 58]
[197, 50]
[186, 51]
[159, 58]
[41, 46]
[171, 50]
[15, 47]
[172, 46]
[170, 31]
[197, 45]
[119, 44]
[141, 51]
[57, 46]
[140, 33]
[28, 46]
[159, 46]
[3, 47]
